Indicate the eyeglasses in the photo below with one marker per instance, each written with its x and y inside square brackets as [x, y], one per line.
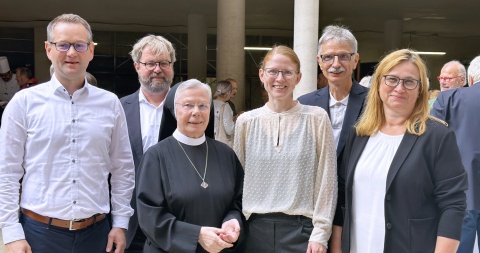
[408, 84]
[152, 65]
[446, 79]
[329, 58]
[65, 46]
[189, 107]
[287, 74]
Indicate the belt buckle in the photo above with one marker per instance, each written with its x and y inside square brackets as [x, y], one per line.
[70, 227]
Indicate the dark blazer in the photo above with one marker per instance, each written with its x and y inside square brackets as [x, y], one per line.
[355, 105]
[132, 113]
[460, 109]
[425, 187]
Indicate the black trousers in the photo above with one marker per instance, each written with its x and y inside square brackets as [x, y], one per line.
[44, 238]
[277, 233]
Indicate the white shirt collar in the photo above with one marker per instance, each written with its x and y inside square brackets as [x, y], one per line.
[143, 99]
[333, 101]
[188, 140]
[57, 85]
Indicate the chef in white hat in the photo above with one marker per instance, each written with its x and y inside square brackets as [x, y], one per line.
[8, 82]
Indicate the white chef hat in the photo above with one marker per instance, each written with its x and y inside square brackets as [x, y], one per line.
[4, 67]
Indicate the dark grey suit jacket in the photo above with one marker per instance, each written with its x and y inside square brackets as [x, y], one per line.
[355, 106]
[425, 187]
[132, 113]
[460, 108]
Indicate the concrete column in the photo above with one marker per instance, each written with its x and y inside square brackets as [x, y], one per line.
[230, 44]
[305, 43]
[393, 34]
[41, 61]
[197, 47]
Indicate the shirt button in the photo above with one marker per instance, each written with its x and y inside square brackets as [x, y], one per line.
[74, 202]
[73, 102]
[389, 225]
[73, 120]
[74, 181]
[73, 161]
[73, 140]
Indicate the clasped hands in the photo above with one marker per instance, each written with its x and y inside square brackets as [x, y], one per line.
[215, 240]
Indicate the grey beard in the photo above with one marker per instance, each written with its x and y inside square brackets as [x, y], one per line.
[148, 86]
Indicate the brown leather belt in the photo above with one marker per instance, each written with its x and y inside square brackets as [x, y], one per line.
[70, 224]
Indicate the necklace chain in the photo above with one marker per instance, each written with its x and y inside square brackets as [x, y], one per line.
[203, 184]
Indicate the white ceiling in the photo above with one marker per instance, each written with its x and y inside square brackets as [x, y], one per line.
[429, 25]
[266, 17]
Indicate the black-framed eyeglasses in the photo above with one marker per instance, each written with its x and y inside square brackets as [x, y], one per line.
[287, 74]
[408, 84]
[152, 65]
[65, 46]
[329, 58]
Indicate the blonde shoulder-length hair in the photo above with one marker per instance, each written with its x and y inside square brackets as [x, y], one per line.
[373, 117]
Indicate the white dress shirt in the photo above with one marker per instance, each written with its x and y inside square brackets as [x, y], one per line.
[150, 119]
[64, 147]
[337, 116]
[369, 188]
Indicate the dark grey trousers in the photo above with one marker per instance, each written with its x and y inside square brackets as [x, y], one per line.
[277, 233]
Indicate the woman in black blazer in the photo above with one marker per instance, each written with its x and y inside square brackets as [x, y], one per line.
[401, 181]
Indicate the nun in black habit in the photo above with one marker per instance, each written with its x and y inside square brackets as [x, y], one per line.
[189, 187]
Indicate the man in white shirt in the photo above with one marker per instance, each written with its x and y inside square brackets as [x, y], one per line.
[153, 58]
[64, 137]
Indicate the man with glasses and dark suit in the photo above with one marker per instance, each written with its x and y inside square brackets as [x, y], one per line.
[343, 98]
[153, 58]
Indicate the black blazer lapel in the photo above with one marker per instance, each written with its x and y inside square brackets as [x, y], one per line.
[132, 113]
[355, 152]
[322, 99]
[402, 152]
[356, 101]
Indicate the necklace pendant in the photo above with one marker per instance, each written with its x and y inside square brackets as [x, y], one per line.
[204, 184]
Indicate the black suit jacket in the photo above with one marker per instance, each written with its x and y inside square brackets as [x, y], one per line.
[355, 106]
[425, 190]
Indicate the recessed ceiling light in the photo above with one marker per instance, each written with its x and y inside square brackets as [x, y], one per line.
[258, 48]
[431, 53]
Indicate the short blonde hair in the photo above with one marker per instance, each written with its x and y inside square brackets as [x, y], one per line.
[70, 19]
[158, 44]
